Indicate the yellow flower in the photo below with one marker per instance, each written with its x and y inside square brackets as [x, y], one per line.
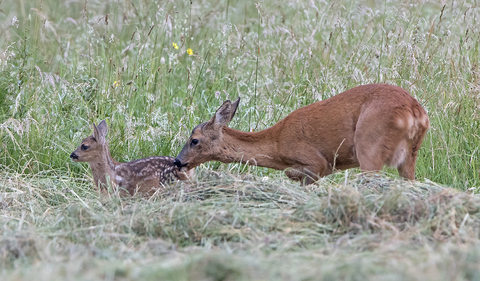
[175, 45]
[116, 83]
[190, 51]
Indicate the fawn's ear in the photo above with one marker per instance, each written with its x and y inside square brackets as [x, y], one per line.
[224, 114]
[100, 132]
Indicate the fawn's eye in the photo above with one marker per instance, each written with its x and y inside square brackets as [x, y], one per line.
[84, 147]
[194, 142]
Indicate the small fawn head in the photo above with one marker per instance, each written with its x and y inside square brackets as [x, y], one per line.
[91, 147]
[206, 141]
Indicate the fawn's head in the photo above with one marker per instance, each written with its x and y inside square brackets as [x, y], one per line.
[206, 141]
[91, 147]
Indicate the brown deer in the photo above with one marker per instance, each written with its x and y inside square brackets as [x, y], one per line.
[144, 175]
[368, 126]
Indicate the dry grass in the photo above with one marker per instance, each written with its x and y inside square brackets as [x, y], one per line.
[227, 228]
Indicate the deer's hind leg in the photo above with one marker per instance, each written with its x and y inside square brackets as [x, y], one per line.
[407, 168]
[379, 140]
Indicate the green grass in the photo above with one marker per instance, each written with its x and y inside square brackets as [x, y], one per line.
[66, 65]
[60, 62]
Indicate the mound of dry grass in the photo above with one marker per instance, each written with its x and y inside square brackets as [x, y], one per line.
[230, 227]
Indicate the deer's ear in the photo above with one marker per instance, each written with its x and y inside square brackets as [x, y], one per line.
[100, 131]
[234, 107]
[96, 135]
[224, 114]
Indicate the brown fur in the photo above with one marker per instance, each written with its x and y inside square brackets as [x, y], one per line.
[144, 175]
[368, 126]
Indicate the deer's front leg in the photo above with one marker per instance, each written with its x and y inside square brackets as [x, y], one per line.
[311, 170]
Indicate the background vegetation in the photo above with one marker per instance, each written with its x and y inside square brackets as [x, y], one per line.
[67, 65]
[64, 65]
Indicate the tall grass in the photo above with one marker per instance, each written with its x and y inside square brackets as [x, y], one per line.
[64, 66]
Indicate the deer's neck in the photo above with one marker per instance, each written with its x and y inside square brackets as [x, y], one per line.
[103, 170]
[256, 148]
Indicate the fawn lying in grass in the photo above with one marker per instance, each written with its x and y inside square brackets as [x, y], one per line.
[143, 175]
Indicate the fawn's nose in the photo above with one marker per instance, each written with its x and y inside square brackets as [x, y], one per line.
[73, 155]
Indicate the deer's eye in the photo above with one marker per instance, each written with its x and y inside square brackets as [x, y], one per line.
[84, 147]
[194, 142]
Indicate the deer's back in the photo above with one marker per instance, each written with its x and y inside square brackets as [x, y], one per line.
[331, 124]
[147, 174]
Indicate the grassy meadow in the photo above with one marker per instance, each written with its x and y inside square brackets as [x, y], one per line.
[155, 69]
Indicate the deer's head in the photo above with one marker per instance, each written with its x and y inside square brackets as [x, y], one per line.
[206, 141]
[92, 147]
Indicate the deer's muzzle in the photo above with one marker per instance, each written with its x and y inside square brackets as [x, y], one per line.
[74, 156]
[179, 164]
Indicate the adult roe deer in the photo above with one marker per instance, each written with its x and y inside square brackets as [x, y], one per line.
[144, 175]
[367, 126]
